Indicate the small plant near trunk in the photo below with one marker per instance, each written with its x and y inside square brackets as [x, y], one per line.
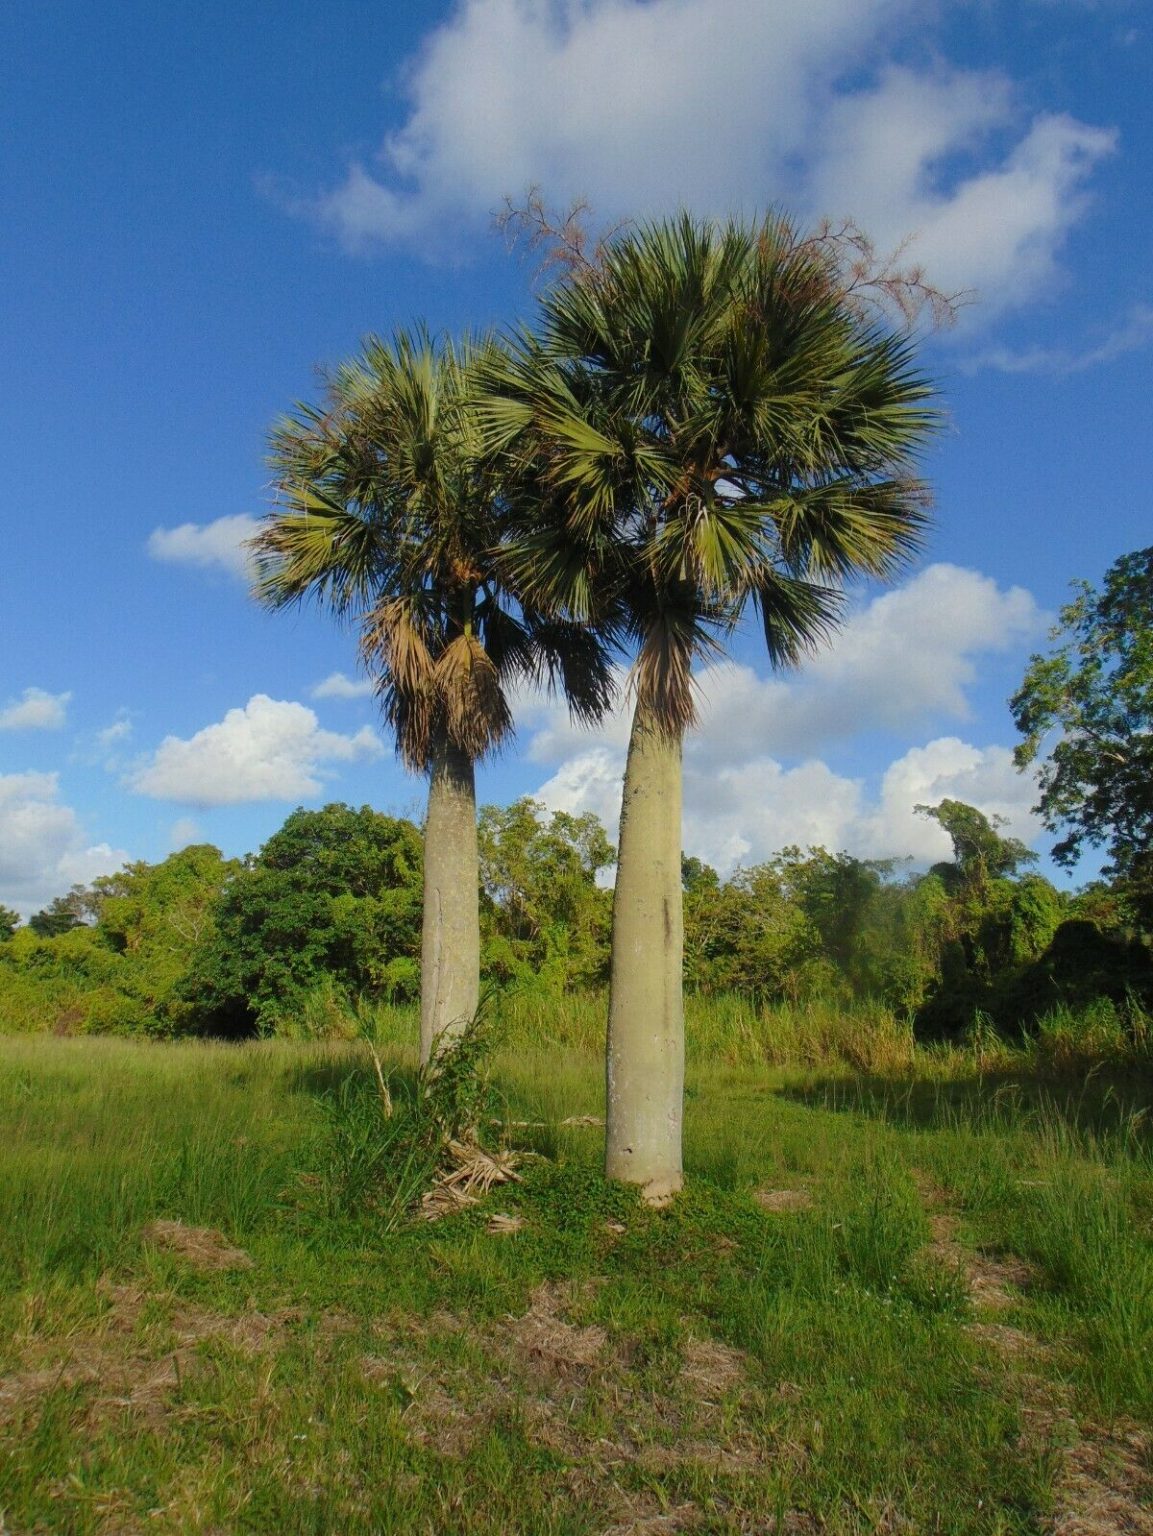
[405, 1142]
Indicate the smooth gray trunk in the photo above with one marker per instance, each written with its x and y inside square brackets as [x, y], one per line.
[645, 1061]
[450, 936]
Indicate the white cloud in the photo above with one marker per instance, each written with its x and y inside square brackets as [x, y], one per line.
[946, 768]
[1133, 334]
[725, 106]
[337, 686]
[269, 750]
[742, 812]
[120, 730]
[184, 831]
[996, 229]
[754, 777]
[43, 850]
[904, 660]
[220, 544]
[35, 710]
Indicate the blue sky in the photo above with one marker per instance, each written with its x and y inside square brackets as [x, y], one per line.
[204, 204]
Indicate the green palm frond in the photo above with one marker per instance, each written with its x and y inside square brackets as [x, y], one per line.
[797, 616]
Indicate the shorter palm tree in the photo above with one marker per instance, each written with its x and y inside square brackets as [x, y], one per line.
[388, 516]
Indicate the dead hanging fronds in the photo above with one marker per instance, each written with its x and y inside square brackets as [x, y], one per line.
[889, 284]
[471, 700]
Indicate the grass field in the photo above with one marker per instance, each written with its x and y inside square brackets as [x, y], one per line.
[912, 1297]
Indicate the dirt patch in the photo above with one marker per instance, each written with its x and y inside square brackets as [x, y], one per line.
[1005, 1340]
[993, 1282]
[578, 1397]
[202, 1247]
[132, 1366]
[784, 1200]
[636, 1522]
[711, 1369]
[1105, 1483]
[1107, 1487]
[544, 1337]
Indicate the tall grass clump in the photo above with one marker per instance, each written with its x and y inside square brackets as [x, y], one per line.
[1101, 1033]
[386, 1138]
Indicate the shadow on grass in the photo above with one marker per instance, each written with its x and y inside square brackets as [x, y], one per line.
[323, 1079]
[1101, 1101]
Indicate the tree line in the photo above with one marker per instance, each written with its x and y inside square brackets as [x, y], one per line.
[308, 935]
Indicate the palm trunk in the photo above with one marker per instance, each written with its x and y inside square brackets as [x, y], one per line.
[450, 937]
[645, 1069]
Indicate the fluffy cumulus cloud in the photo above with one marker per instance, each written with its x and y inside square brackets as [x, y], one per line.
[755, 779]
[35, 710]
[220, 545]
[338, 686]
[43, 849]
[621, 101]
[271, 749]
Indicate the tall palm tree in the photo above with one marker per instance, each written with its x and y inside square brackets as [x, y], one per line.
[388, 516]
[715, 423]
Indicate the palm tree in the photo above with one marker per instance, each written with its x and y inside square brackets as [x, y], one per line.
[715, 422]
[387, 516]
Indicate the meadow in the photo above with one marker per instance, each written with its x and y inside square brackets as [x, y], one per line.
[905, 1290]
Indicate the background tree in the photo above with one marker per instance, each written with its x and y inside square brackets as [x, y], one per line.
[1086, 714]
[980, 853]
[390, 516]
[713, 423]
[121, 970]
[9, 922]
[326, 913]
[993, 922]
[61, 914]
[546, 918]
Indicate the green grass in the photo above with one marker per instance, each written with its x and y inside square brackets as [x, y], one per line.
[718, 1364]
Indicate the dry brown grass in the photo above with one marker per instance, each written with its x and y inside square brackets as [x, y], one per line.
[202, 1247]
[781, 1201]
[132, 1367]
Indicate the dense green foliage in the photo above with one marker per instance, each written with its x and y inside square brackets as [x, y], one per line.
[324, 921]
[1086, 711]
[328, 911]
[545, 919]
[122, 973]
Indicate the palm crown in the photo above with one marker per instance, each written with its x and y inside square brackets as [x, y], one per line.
[711, 421]
[389, 513]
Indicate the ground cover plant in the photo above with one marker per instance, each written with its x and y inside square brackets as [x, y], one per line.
[913, 1296]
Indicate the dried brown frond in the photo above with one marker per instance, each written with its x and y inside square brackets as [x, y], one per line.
[469, 696]
[469, 1175]
[661, 677]
[501, 1223]
[393, 633]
